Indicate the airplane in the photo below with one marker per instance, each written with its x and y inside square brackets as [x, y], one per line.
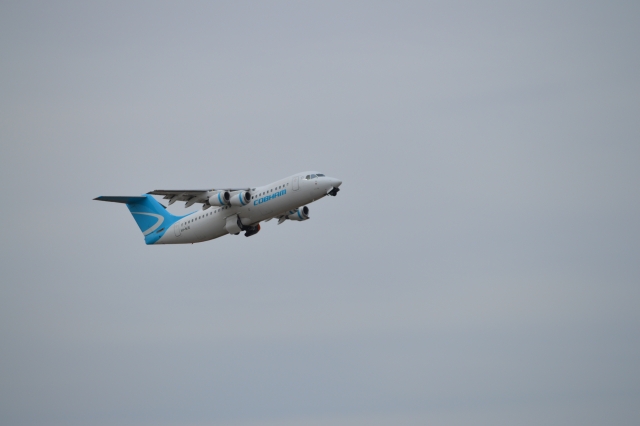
[225, 210]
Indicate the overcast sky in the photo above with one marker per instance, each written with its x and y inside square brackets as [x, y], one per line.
[481, 265]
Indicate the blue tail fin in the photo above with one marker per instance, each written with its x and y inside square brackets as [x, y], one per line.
[151, 216]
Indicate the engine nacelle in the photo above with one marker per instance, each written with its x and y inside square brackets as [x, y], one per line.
[301, 213]
[240, 198]
[220, 198]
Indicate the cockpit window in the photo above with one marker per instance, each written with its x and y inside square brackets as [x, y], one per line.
[320, 175]
[313, 176]
[307, 177]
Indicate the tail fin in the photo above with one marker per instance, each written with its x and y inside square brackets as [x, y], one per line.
[152, 218]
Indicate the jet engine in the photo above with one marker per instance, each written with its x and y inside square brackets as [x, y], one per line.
[301, 213]
[220, 198]
[240, 198]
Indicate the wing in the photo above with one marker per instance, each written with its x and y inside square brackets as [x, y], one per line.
[191, 196]
[281, 218]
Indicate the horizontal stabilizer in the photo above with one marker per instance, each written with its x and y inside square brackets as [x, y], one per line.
[122, 199]
[152, 218]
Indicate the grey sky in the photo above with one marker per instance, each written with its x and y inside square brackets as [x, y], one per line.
[479, 267]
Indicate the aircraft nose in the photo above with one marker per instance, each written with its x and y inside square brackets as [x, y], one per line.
[336, 183]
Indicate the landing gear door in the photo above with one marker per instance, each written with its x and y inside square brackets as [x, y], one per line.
[233, 224]
[295, 183]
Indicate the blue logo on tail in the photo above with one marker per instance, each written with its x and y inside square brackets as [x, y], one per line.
[152, 218]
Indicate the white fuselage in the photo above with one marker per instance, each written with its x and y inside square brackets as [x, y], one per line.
[267, 201]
